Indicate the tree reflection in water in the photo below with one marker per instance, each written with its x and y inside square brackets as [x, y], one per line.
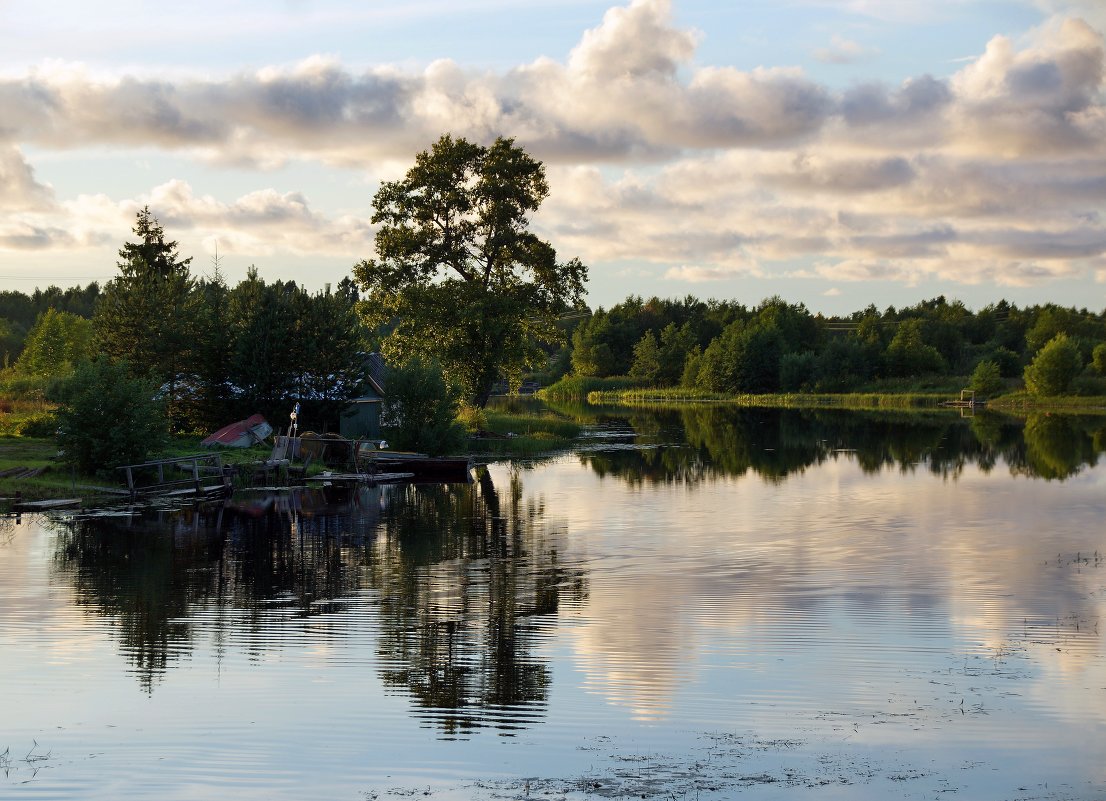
[143, 573]
[464, 583]
[702, 442]
[469, 584]
[460, 584]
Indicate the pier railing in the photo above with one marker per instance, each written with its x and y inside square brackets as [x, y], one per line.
[201, 472]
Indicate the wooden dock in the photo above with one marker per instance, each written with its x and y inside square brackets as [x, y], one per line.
[203, 473]
[967, 400]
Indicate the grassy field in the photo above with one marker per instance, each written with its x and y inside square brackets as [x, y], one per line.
[56, 481]
[1016, 402]
[578, 388]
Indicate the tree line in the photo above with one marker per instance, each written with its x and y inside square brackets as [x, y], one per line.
[212, 352]
[724, 346]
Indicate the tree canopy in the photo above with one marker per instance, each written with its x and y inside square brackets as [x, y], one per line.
[57, 343]
[725, 346]
[107, 417]
[457, 269]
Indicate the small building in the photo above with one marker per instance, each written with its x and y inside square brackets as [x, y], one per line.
[361, 419]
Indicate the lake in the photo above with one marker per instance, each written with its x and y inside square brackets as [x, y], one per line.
[692, 604]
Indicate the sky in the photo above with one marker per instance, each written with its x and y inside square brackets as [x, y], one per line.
[833, 152]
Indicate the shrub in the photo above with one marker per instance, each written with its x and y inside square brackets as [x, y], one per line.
[1098, 357]
[1087, 385]
[107, 418]
[40, 424]
[472, 418]
[986, 379]
[1009, 365]
[1054, 367]
[797, 371]
[420, 410]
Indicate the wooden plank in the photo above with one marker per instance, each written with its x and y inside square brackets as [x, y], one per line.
[56, 503]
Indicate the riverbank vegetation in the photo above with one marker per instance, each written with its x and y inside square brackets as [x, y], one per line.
[782, 353]
[204, 353]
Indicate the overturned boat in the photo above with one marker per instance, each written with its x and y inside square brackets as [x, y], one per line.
[243, 434]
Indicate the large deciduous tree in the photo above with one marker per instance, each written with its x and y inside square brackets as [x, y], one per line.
[457, 269]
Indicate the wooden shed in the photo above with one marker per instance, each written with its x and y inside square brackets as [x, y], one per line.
[361, 419]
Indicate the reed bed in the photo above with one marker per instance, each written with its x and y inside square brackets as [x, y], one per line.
[795, 400]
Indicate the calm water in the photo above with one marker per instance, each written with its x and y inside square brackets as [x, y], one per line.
[692, 605]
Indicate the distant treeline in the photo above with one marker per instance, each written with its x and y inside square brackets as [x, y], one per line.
[19, 311]
[722, 346]
[222, 351]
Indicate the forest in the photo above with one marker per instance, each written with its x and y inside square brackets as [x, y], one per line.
[776, 346]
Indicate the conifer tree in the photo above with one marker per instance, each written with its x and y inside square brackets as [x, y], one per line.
[147, 315]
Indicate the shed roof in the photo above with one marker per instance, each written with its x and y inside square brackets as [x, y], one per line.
[375, 373]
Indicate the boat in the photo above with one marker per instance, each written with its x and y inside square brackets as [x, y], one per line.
[242, 434]
[423, 467]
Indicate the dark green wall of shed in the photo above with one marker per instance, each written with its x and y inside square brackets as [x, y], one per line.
[361, 420]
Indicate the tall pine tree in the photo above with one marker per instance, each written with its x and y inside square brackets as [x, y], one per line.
[147, 315]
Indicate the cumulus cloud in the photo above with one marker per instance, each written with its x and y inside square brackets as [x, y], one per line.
[703, 173]
[18, 235]
[261, 222]
[618, 95]
[1047, 97]
[19, 191]
[633, 42]
[698, 274]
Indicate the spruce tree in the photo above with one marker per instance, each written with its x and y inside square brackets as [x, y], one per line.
[147, 315]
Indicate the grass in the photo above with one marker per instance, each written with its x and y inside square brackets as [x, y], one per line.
[1023, 401]
[1012, 402]
[58, 481]
[579, 387]
[17, 414]
[525, 433]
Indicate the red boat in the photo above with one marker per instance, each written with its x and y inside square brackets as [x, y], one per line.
[242, 434]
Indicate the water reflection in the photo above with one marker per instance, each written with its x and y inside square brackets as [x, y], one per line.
[470, 584]
[895, 604]
[701, 442]
[462, 581]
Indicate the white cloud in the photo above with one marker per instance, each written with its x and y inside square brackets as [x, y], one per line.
[844, 51]
[19, 191]
[1044, 98]
[635, 41]
[261, 222]
[698, 274]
